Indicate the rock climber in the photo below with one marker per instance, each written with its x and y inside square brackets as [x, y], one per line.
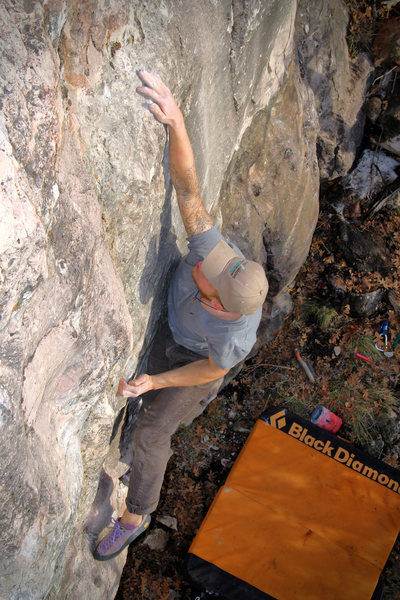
[214, 309]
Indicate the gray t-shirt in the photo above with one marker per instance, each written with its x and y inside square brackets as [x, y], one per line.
[227, 342]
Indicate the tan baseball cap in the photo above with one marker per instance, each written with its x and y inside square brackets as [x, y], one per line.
[242, 285]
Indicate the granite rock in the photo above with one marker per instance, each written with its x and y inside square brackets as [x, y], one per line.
[338, 81]
[90, 232]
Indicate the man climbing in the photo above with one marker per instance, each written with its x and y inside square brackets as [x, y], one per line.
[214, 309]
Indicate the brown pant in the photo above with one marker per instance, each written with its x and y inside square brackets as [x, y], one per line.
[162, 413]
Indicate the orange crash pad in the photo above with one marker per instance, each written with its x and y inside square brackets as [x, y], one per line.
[303, 515]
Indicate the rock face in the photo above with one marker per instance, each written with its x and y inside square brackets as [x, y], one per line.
[89, 228]
[333, 78]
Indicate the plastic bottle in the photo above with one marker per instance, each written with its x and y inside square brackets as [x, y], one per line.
[326, 419]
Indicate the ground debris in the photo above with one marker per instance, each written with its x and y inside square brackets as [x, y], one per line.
[157, 539]
[170, 522]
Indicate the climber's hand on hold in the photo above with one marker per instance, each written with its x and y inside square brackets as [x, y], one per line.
[135, 387]
[162, 105]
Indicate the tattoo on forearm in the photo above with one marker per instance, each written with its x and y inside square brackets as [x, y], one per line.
[185, 182]
[197, 220]
[194, 215]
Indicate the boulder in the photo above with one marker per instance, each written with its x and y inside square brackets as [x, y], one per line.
[365, 305]
[389, 119]
[338, 81]
[90, 232]
[362, 251]
[374, 172]
[383, 106]
[261, 217]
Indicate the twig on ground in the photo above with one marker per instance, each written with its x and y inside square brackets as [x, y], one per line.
[378, 205]
[253, 367]
[380, 77]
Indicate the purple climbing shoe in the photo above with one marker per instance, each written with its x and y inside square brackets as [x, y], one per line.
[120, 536]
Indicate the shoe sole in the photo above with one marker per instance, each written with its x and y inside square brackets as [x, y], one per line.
[128, 541]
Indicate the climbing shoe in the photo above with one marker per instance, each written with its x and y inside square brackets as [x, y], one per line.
[120, 536]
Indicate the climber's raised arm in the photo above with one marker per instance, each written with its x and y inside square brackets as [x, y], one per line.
[183, 171]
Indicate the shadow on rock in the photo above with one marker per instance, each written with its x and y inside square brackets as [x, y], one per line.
[101, 510]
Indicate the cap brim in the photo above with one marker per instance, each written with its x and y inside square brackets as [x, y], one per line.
[215, 261]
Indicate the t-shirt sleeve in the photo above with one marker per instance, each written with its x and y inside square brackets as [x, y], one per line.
[201, 244]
